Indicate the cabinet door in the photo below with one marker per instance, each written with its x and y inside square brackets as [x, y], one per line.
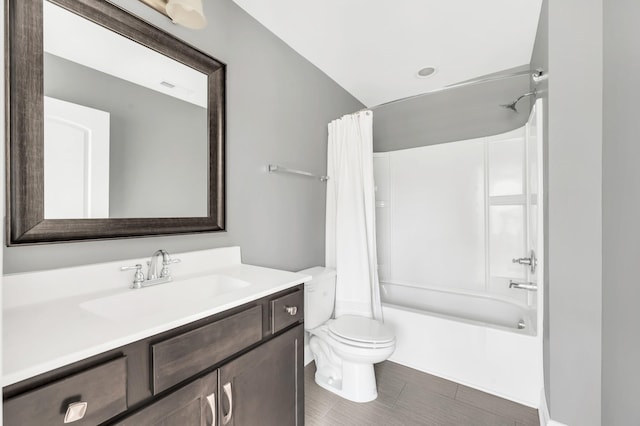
[266, 385]
[191, 405]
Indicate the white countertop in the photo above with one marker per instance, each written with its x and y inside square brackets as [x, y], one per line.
[56, 330]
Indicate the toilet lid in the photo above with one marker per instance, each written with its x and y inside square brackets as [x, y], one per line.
[361, 329]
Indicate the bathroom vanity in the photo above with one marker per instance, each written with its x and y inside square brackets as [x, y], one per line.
[231, 353]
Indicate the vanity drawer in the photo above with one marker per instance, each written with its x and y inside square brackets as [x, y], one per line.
[178, 358]
[102, 388]
[287, 310]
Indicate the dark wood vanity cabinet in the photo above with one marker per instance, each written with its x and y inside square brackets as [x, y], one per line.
[231, 369]
[261, 386]
[101, 389]
[178, 358]
[193, 404]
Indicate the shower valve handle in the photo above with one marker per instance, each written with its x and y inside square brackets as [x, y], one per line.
[531, 261]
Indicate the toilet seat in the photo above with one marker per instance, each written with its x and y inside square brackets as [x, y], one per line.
[361, 332]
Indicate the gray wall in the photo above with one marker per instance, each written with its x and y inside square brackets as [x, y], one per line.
[158, 166]
[452, 115]
[621, 211]
[278, 108]
[575, 211]
[540, 60]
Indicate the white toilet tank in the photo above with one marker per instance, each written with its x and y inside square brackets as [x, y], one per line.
[319, 296]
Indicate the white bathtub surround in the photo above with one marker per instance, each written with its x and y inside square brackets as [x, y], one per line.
[454, 215]
[351, 223]
[469, 338]
[450, 220]
[54, 318]
[473, 339]
[466, 306]
[503, 362]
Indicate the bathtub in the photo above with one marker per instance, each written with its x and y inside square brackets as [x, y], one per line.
[480, 341]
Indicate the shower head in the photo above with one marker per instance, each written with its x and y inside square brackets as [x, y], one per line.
[512, 105]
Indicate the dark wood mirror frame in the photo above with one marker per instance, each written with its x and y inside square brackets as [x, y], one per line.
[25, 127]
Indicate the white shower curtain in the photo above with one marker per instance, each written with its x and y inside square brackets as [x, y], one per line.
[351, 223]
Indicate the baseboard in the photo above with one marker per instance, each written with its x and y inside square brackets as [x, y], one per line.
[543, 409]
[543, 412]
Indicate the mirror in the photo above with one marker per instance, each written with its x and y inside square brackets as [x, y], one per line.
[113, 132]
[116, 128]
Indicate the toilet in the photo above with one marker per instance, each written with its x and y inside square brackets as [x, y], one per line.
[344, 348]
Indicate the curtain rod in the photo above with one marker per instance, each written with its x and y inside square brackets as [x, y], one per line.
[274, 168]
[536, 75]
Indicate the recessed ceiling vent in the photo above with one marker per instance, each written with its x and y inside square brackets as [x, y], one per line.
[426, 72]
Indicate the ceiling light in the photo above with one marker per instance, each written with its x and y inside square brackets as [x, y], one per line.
[187, 13]
[426, 72]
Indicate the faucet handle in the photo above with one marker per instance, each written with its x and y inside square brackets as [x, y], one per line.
[165, 266]
[138, 277]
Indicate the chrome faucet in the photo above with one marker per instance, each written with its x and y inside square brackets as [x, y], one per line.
[152, 272]
[139, 280]
[523, 286]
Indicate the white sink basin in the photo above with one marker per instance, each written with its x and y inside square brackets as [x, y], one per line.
[190, 293]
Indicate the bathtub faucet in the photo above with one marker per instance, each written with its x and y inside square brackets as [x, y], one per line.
[523, 286]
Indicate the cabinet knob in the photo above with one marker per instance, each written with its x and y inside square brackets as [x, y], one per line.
[75, 411]
[291, 310]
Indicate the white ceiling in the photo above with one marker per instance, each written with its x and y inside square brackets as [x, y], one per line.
[374, 48]
[79, 40]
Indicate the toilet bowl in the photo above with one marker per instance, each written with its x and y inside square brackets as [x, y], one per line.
[346, 348]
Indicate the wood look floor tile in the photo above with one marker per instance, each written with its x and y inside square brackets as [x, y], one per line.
[309, 371]
[310, 420]
[401, 417]
[527, 416]
[391, 371]
[440, 410]
[407, 397]
[318, 401]
[358, 414]
[389, 389]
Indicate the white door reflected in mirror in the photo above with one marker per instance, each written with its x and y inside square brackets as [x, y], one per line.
[76, 161]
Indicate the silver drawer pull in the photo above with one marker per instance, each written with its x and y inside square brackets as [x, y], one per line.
[75, 411]
[229, 394]
[291, 310]
[211, 400]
